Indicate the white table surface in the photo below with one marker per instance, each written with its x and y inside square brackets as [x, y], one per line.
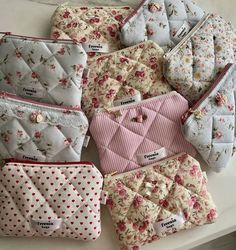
[30, 18]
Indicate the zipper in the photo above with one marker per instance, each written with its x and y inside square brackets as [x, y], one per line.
[8, 34]
[122, 107]
[115, 175]
[54, 106]
[13, 160]
[191, 33]
[194, 108]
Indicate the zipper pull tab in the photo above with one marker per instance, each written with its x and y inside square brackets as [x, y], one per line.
[108, 176]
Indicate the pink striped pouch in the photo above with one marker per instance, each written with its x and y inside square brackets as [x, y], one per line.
[138, 134]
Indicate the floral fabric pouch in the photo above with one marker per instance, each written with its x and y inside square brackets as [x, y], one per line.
[96, 27]
[45, 70]
[124, 76]
[50, 199]
[135, 135]
[210, 124]
[40, 132]
[165, 22]
[194, 63]
[158, 200]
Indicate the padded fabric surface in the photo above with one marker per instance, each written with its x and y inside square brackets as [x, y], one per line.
[162, 21]
[38, 132]
[89, 24]
[40, 192]
[140, 200]
[195, 64]
[211, 127]
[120, 137]
[42, 69]
[122, 74]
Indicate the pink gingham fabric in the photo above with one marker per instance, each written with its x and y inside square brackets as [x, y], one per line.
[120, 135]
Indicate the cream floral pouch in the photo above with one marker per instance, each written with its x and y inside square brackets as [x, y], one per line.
[158, 200]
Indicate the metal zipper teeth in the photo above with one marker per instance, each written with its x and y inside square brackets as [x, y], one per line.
[191, 33]
[14, 97]
[114, 175]
[123, 107]
[202, 99]
[9, 35]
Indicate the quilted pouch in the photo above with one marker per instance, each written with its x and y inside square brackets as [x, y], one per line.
[94, 26]
[165, 22]
[158, 200]
[210, 124]
[134, 135]
[194, 63]
[42, 69]
[123, 77]
[50, 199]
[40, 132]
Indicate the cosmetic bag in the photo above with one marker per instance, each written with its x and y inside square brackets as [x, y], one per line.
[40, 132]
[96, 27]
[50, 199]
[158, 200]
[134, 135]
[165, 22]
[210, 124]
[42, 69]
[124, 76]
[194, 63]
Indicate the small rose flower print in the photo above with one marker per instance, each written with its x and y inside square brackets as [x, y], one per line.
[131, 91]
[34, 75]
[217, 134]
[112, 33]
[230, 107]
[95, 102]
[18, 54]
[141, 46]
[110, 203]
[37, 134]
[154, 7]
[55, 35]
[164, 203]
[140, 74]
[66, 14]
[85, 80]
[61, 51]
[122, 192]
[124, 60]
[119, 78]
[19, 74]
[196, 206]
[83, 40]
[178, 180]
[193, 171]
[144, 226]
[94, 20]
[67, 141]
[19, 133]
[150, 32]
[52, 67]
[137, 202]
[139, 175]
[211, 215]
[110, 94]
[63, 82]
[119, 18]
[186, 215]
[220, 99]
[96, 34]
[182, 158]
[121, 226]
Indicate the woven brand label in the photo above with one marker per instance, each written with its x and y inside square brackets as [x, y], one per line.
[128, 100]
[96, 47]
[46, 225]
[183, 31]
[171, 224]
[23, 156]
[151, 157]
[28, 91]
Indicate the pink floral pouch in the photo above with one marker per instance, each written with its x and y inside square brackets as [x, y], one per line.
[158, 200]
[138, 134]
[124, 76]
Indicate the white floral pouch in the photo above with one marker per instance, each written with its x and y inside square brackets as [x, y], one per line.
[45, 70]
[40, 132]
[194, 63]
[165, 22]
[158, 200]
[210, 124]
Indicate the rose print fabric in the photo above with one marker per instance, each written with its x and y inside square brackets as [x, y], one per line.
[41, 69]
[124, 132]
[122, 74]
[194, 65]
[50, 200]
[33, 131]
[144, 201]
[89, 24]
[210, 126]
[165, 22]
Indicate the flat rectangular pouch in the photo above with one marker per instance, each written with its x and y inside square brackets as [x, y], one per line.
[124, 76]
[50, 199]
[158, 200]
[45, 70]
[165, 22]
[210, 124]
[194, 63]
[96, 27]
[134, 135]
[40, 132]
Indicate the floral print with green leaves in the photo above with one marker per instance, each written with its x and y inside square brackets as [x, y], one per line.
[139, 199]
